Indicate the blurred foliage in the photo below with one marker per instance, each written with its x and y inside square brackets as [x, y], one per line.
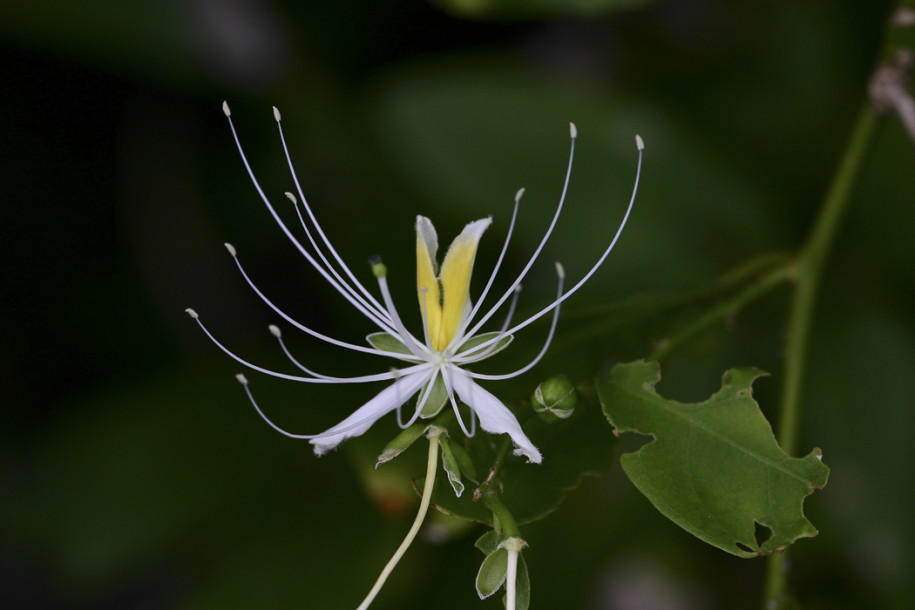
[134, 472]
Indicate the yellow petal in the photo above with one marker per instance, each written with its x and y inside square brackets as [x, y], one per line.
[455, 280]
[430, 300]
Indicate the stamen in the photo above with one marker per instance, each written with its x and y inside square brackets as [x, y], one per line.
[314, 221]
[565, 188]
[446, 377]
[560, 272]
[459, 336]
[420, 404]
[343, 290]
[372, 304]
[582, 281]
[275, 331]
[244, 382]
[360, 379]
[302, 327]
[492, 344]
[411, 343]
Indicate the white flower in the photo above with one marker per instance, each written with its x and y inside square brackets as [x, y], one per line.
[434, 365]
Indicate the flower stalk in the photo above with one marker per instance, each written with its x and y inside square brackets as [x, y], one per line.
[434, 435]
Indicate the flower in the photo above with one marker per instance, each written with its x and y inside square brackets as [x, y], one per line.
[435, 366]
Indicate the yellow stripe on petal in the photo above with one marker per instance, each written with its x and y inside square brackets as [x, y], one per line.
[445, 298]
[427, 285]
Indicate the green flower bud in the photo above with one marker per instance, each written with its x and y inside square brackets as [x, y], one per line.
[555, 398]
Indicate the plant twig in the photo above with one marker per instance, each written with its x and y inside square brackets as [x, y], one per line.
[810, 266]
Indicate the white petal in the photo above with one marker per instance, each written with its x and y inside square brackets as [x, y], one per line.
[429, 237]
[362, 418]
[495, 417]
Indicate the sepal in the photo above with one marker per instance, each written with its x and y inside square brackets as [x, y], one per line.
[401, 442]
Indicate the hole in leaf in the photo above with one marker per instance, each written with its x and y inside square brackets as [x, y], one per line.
[745, 548]
[762, 533]
[630, 442]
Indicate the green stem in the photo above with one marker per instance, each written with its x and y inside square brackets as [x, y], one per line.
[810, 266]
[730, 307]
[431, 464]
[506, 520]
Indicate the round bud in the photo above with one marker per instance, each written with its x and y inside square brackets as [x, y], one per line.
[555, 398]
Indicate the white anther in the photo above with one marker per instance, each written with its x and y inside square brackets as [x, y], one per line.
[230, 248]
[291, 197]
[275, 331]
[225, 108]
[191, 313]
[242, 379]
[639, 142]
[573, 130]
[560, 271]
[276, 114]
[519, 194]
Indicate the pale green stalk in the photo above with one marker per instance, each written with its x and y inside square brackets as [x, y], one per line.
[431, 466]
[809, 270]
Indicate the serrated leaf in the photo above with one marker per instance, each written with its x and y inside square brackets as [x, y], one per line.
[492, 573]
[582, 444]
[714, 468]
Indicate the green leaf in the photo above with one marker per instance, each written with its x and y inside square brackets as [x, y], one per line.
[436, 400]
[450, 464]
[522, 585]
[401, 442]
[500, 345]
[464, 462]
[492, 573]
[388, 343]
[582, 444]
[714, 468]
[488, 542]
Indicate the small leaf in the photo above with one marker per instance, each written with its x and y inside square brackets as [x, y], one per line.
[488, 542]
[582, 444]
[492, 573]
[714, 468]
[489, 350]
[401, 442]
[388, 343]
[451, 467]
[522, 585]
[436, 400]
[464, 461]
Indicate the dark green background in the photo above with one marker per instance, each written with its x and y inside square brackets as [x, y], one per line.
[133, 472]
